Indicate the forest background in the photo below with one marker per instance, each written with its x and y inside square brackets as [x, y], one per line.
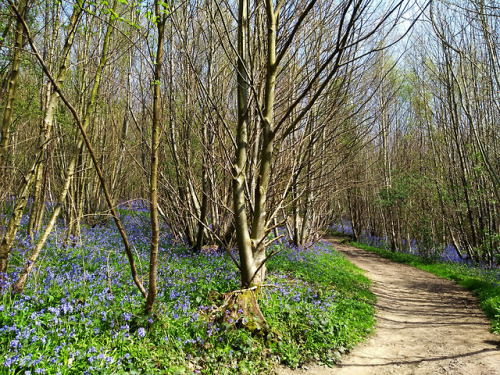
[236, 119]
[238, 124]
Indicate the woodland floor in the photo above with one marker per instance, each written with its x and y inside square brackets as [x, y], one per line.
[425, 325]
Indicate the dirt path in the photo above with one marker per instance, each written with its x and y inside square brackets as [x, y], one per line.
[425, 325]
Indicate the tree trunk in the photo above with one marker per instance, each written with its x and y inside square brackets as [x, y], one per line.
[12, 88]
[161, 16]
[247, 265]
[22, 196]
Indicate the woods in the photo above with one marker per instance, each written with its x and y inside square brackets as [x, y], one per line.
[436, 154]
[268, 151]
[247, 130]
[238, 120]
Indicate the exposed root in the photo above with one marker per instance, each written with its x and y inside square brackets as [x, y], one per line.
[240, 309]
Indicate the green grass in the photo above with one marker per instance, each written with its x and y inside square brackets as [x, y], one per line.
[484, 283]
[337, 313]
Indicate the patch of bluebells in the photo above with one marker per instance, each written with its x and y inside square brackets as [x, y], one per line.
[136, 205]
[365, 237]
[444, 253]
[81, 313]
[313, 286]
[82, 297]
[447, 254]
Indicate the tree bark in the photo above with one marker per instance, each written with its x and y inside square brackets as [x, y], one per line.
[22, 196]
[161, 18]
[5, 133]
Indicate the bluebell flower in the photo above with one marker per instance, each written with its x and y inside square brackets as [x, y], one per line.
[9, 361]
[126, 316]
[141, 332]
[15, 344]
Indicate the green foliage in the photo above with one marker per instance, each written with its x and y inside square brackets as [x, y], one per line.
[403, 187]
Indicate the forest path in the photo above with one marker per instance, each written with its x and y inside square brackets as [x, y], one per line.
[425, 325]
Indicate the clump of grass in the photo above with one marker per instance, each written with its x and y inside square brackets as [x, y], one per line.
[80, 312]
[482, 281]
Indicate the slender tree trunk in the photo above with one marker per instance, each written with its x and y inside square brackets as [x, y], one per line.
[259, 224]
[161, 17]
[70, 171]
[247, 264]
[22, 196]
[12, 89]
[125, 125]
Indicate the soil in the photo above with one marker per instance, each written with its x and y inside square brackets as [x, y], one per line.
[425, 325]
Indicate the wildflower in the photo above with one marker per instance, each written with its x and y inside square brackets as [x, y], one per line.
[141, 332]
[14, 344]
[126, 316]
[9, 361]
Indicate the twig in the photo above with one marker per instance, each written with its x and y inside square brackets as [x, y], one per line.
[109, 273]
[242, 290]
[270, 285]
[274, 240]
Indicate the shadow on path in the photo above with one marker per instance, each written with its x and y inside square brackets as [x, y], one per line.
[425, 325]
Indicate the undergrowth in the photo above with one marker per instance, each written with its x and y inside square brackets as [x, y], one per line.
[483, 282]
[80, 312]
